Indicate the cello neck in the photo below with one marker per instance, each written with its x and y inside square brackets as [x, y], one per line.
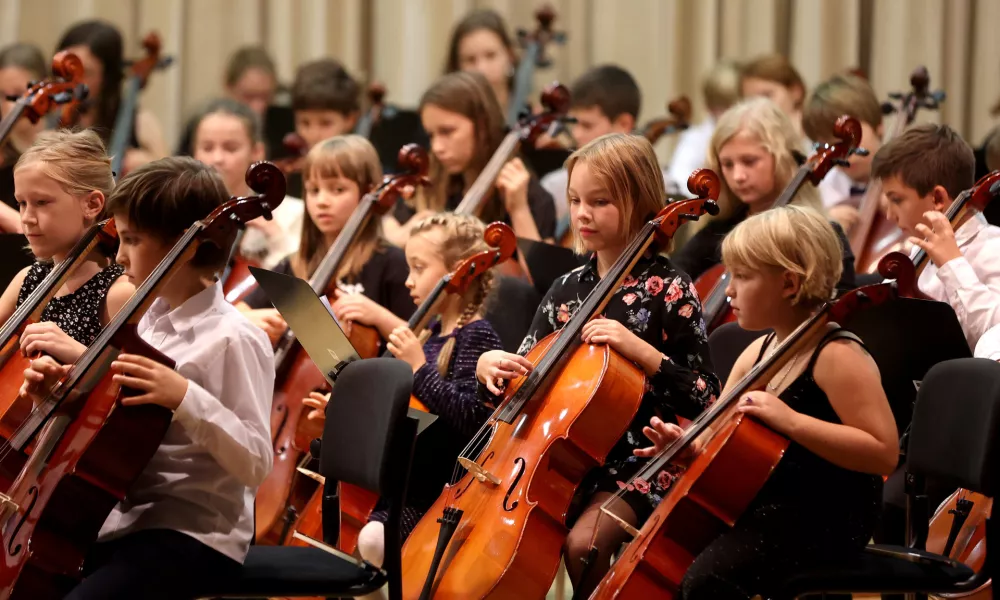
[124, 125]
[322, 278]
[10, 119]
[522, 82]
[473, 201]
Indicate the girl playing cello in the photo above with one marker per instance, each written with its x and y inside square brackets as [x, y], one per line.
[823, 499]
[654, 319]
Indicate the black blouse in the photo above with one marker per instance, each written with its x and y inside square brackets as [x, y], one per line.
[704, 250]
[658, 303]
[382, 279]
[540, 202]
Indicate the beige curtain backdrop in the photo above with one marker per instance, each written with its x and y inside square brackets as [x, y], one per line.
[667, 44]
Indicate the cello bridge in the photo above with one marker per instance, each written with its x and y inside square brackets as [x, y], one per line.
[478, 472]
[8, 507]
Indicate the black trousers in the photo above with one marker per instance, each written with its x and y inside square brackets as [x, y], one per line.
[156, 564]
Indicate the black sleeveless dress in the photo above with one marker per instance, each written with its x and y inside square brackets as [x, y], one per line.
[807, 513]
[78, 314]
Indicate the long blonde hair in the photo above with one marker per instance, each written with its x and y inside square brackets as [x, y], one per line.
[627, 166]
[763, 120]
[461, 237]
[77, 161]
[790, 238]
[351, 157]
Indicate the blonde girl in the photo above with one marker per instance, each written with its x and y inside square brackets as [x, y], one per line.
[822, 500]
[371, 283]
[443, 359]
[61, 184]
[753, 149]
[653, 319]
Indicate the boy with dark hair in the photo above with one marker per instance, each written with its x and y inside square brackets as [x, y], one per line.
[325, 101]
[189, 516]
[605, 99]
[846, 95]
[922, 171]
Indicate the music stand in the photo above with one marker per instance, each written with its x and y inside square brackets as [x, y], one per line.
[547, 262]
[316, 329]
[906, 337]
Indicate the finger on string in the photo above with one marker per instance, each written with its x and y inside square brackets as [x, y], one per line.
[505, 374]
[135, 400]
[653, 435]
[319, 397]
[316, 415]
[520, 360]
[493, 388]
[645, 452]
[313, 403]
[133, 369]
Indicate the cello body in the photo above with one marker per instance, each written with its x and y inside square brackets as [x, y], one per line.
[508, 545]
[711, 495]
[65, 499]
[969, 546]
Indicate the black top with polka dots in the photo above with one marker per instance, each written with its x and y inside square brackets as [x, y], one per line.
[78, 313]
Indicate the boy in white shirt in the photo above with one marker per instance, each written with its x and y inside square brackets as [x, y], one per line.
[189, 516]
[922, 171]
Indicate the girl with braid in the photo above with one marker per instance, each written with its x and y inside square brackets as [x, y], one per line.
[443, 359]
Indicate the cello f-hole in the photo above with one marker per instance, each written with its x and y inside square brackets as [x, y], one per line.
[520, 462]
[15, 550]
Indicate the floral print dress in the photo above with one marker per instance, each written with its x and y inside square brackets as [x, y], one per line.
[659, 304]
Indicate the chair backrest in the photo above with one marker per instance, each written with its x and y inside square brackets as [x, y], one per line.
[726, 344]
[955, 433]
[367, 406]
[511, 317]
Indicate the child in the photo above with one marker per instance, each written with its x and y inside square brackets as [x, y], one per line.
[61, 183]
[20, 64]
[465, 126]
[371, 283]
[444, 368]
[189, 517]
[227, 137]
[99, 46]
[752, 148]
[605, 100]
[721, 89]
[773, 76]
[922, 171]
[480, 43]
[822, 500]
[654, 319]
[252, 79]
[325, 101]
[846, 95]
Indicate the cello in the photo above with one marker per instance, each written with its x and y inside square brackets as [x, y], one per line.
[236, 279]
[533, 44]
[66, 88]
[100, 241]
[357, 504]
[90, 448]
[874, 235]
[712, 284]
[503, 522]
[679, 119]
[372, 116]
[138, 76]
[958, 530]
[278, 498]
[728, 457]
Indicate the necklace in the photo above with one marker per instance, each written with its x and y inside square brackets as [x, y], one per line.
[772, 386]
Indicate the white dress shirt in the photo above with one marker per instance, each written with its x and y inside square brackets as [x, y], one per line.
[970, 283]
[203, 478]
[270, 250]
[989, 344]
[690, 154]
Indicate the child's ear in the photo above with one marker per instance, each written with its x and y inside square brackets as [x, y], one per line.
[790, 284]
[93, 205]
[880, 131]
[941, 198]
[352, 121]
[624, 123]
[258, 153]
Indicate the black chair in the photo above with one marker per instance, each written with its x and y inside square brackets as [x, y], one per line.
[511, 310]
[726, 343]
[368, 441]
[954, 438]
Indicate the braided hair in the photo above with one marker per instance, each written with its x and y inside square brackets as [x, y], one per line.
[462, 237]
